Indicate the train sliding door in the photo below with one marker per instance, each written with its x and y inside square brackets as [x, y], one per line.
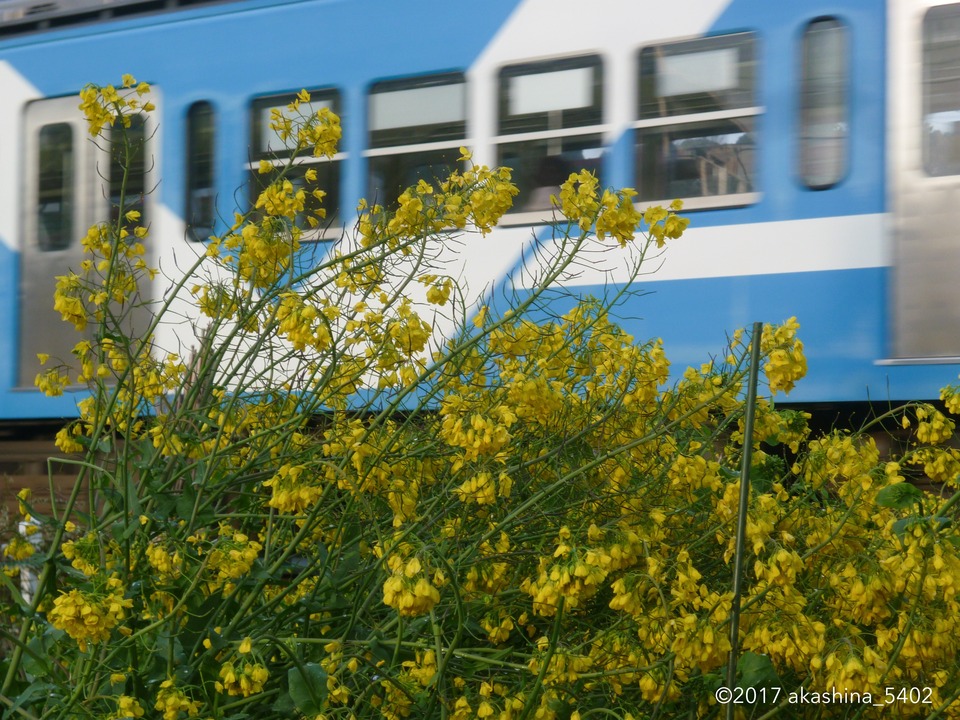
[70, 182]
[924, 118]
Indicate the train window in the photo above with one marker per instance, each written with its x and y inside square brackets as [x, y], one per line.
[268, 145]
[417, 127]
[550, 125]
[696, 132]
[941, 90]
[128, 170]
[200, 206]
[55, 187]
[823, 104]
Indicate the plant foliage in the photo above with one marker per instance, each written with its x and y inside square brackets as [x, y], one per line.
[355, 490]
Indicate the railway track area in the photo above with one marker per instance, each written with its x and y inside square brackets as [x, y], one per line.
[30, 459]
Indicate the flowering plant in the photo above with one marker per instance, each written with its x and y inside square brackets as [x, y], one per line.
[330, 509]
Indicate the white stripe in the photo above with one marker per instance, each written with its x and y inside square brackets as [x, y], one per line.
[16, 93]
[790, 246]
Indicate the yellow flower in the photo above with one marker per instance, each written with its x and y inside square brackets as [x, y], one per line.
[407, 590]
[127, 707]
[89, 616]
[66, 439]
[578, 198]
[786, 362]
[173, 701]
[245, 679]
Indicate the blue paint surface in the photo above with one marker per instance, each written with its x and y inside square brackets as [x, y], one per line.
[842, 326]
[25, 403]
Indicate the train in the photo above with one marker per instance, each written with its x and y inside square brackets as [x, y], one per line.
[815, 146]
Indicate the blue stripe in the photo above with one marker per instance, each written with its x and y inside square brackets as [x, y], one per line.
[22, 403]
[842, 326]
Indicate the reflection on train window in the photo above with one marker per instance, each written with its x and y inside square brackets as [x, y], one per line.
[550, 125]
[201, 209]
[823, 104]
[697, 159]
[696, 132]
[941, 90]
[128, 169]
[268, 145]
[56, 187]
[417, 127]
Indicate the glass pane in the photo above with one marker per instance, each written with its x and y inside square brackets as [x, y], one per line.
[328, 180]
[823, 104]
[201, 212]
[551, 91]
[415, 111]
[697, 160]
[390, 175]
[128, 169]
[55, 187]
[941, 90]
[267, 141]
[551, 95]
[540, 166]
[704, 75]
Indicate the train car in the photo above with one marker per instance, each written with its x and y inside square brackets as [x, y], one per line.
[816, 147]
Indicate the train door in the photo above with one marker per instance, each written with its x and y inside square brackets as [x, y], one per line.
[924, 118]
[70, 182]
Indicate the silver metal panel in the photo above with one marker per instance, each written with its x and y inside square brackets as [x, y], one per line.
[925, 290]
[41, 329]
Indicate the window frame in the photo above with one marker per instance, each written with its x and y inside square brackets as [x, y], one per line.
[191, 186]
[67, 189]
[582, 122]
[452, 134]
[838, 176]
[136, 186]
[746, 43]
[330, 228]
[933, 15]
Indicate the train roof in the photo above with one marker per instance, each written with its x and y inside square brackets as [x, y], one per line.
[26, 16]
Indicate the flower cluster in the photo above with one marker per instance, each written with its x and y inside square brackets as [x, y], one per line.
[90, 616]
[786, 363]
[408, 589]
[172, 701]
[244, 678]
[102, 106]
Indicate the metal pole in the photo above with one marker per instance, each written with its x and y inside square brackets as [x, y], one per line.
[742, 514]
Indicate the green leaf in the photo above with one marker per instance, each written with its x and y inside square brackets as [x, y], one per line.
[904, 524]
[765, 474]
[36, 690]
[901, 496]
[185, 502]
[308, 687]
[8, 584]
[756, 671]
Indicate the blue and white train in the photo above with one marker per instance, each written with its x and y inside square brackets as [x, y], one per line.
[816, 146]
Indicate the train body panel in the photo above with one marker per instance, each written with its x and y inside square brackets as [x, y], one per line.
[792, 172]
